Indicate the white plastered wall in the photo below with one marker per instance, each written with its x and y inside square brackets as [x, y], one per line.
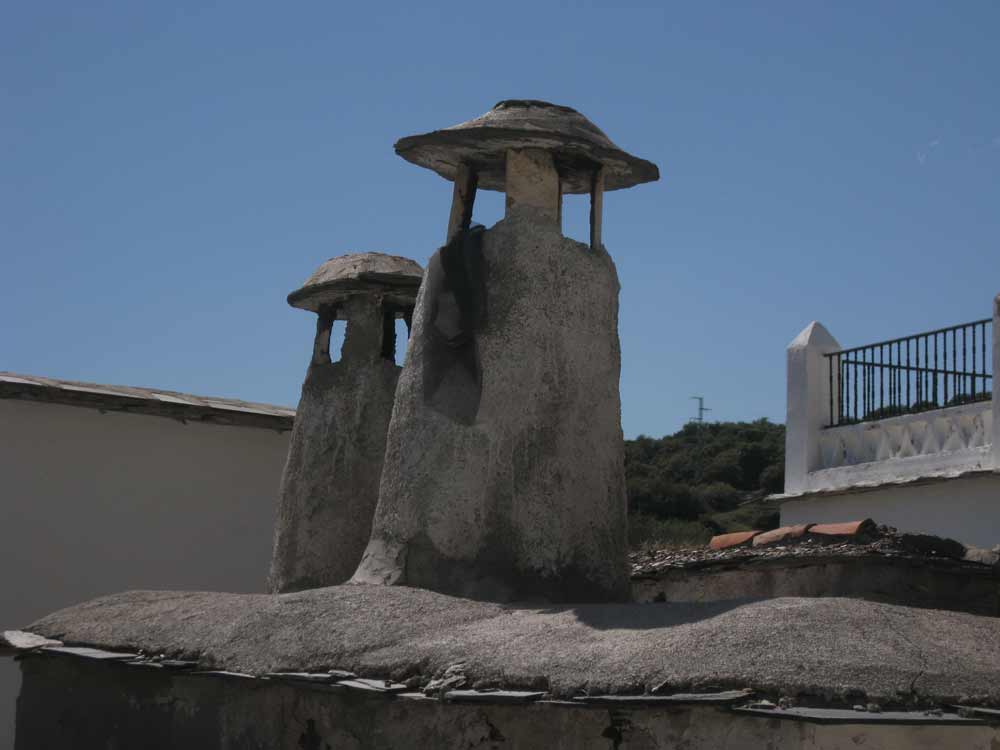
[966, 509]
[94, 503]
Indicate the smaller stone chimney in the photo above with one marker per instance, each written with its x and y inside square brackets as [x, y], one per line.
[330, 485]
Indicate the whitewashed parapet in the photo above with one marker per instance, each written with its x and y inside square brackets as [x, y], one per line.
[954, 431]
[940, 442]
[821, 454]
[996, 383]
[809, 394]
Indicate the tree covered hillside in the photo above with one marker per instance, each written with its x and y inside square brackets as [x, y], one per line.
[702, 480]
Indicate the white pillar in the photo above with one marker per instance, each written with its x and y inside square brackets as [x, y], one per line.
[996, 384]
[809, 394]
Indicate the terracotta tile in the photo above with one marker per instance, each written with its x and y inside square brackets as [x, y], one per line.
[851, 528]
[736, 538]
[780, 535]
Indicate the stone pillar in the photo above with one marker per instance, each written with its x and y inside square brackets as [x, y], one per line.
[996, 384]
[809, 401]
[533, 186]
[597, 209]
[462, 201]
[329, 488]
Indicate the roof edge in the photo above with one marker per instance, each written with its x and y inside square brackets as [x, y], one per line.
[183, 407]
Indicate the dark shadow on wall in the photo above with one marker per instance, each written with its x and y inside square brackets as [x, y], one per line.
[10, 686]
[456, 291]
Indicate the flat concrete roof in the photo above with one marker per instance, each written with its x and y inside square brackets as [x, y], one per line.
[149, 401]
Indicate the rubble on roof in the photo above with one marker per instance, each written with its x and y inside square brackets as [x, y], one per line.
[849, 539]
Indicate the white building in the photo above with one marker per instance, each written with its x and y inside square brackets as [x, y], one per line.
[906, 432]
[107, 488]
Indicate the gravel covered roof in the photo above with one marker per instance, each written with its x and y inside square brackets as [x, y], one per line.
[829, 650]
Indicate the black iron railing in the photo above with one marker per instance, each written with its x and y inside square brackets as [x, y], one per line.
[946, 367]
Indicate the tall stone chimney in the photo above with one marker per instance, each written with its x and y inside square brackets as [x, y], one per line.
[330, 485]
[503, 475]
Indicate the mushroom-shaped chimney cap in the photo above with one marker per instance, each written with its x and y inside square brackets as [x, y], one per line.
[393, 276]
[525, 123]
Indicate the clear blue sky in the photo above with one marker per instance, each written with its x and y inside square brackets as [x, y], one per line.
[172, 170]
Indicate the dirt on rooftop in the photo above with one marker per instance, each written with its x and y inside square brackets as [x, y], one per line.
[802, 542]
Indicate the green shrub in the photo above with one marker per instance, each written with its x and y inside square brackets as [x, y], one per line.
[772, 479]
[968, 398]
[757, 515]
[684, 487]
[717, 496]
[658, 496]
[725, 467]
[649, 532]
[766, 520]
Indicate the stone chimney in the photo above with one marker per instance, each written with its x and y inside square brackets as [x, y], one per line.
[330, 484]
[503, 475]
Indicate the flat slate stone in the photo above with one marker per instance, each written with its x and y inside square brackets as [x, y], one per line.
[848, 716]
[990, 713]
[341, 674]
[178, 664]
[492, 696]
[91, 653]
[19, 640]
[724, 698]
[322, 677]
[378, 686]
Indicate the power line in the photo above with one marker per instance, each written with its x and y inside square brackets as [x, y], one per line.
[700, 419]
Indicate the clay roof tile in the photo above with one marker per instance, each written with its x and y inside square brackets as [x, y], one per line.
[734, 539]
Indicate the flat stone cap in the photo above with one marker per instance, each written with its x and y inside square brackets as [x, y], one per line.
[526, 123]
[357, 273]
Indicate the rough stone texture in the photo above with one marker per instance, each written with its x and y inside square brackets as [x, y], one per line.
[86, 705]
[533, 186]
[330, 483]
[577, 144]
[504, 468]
[913, 582]
[827, 650]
